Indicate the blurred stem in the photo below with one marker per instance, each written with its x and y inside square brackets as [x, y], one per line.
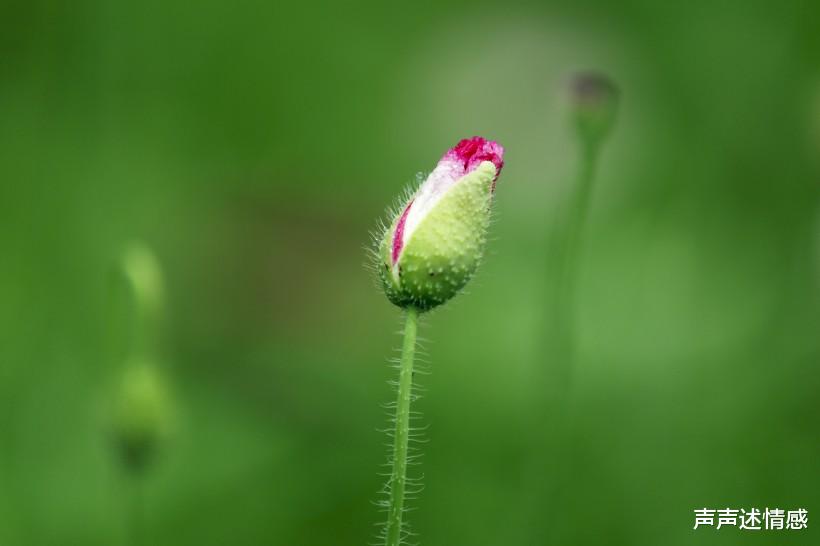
[146, 341]
[398, 476]
[556, 411]
[136, 512]
[573, 241]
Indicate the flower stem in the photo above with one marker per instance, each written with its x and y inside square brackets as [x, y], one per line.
[398, 477]
[573, 243]
[136, 512]
[559, 350]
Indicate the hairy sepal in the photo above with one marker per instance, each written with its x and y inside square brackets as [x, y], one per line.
[444, 251]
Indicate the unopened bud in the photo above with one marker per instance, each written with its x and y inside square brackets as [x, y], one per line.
[434, 244]
[595, 102]
[143, 272]
[141, 415]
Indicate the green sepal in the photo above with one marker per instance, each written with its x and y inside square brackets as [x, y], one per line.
[445, 249]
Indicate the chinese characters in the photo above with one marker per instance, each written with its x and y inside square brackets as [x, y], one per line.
[752, 519]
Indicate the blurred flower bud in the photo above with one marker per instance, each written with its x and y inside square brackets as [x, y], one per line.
[141, 415]
[435, 242]
[594, 103]
[143, 272]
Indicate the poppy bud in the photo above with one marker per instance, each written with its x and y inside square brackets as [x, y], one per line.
[140, 415]
[434, 244]
[594, 100]
[144, 274]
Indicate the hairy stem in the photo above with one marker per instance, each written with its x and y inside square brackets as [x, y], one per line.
[398, 477]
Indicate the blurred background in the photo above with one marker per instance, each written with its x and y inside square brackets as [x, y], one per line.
[251, 147]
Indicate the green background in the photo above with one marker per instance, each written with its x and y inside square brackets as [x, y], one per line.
[254, 145]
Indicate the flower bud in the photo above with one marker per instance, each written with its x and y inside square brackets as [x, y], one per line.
[144, 274]
[594, 101]
[435, 243]
[140, 415]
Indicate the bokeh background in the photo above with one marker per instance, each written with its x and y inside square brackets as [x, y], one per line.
[253, 146]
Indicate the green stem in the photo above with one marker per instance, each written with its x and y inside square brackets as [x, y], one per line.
[398, 477]
[573, 242]
[556, 412]
[136, 512]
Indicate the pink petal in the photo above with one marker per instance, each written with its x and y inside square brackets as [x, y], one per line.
[457, 162]
[398, 236]
[472, 151]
